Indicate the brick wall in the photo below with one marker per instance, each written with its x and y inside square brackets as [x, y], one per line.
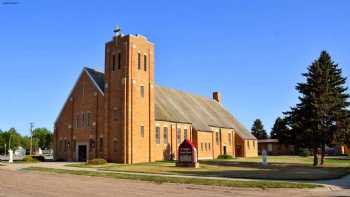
[84, 98]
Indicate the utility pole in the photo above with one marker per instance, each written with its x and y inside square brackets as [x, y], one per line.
[31, 137]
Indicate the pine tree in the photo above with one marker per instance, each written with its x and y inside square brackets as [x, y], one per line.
[258, 130]
[320, 117]
[281, 132]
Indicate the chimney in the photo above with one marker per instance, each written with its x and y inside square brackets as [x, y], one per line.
[217, 97]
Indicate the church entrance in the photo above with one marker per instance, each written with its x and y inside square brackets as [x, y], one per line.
[82, 153]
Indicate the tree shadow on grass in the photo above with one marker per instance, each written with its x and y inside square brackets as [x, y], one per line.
[273, 171]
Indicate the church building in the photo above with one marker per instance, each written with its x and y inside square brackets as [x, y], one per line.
[123, 116]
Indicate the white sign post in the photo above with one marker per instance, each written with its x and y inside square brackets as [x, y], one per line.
[264, 157]
[11, 156]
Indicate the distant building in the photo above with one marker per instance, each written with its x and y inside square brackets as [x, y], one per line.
[344, 149]
[20, 151]
[123, 116]
[273, 147]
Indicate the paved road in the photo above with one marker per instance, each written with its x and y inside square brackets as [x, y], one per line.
[27, 184]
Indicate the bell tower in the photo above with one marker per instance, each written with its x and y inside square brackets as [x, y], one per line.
[129, 98]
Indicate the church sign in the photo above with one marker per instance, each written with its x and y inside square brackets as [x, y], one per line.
[187, 155]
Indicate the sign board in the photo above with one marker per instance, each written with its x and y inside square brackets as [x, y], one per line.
[187, 154]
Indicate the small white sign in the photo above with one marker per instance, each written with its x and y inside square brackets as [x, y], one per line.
[11, 156]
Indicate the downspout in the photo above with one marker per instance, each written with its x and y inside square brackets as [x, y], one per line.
[131, 106]
[96, 125]
[149, 108]
[72, 128]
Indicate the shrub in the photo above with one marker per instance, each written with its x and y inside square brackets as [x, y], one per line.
[304, 152]
[38, 157]
[225, 157]
[30, 158]
[97, 161]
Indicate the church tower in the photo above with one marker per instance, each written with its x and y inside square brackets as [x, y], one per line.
[129, 99]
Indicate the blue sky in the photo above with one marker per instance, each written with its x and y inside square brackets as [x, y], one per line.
[253, 52]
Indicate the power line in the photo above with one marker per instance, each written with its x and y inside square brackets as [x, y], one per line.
[31, 137]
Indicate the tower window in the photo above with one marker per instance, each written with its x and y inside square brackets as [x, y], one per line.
[113, 63]
[139, 61]
[165, 135]
[119, 60]
[145, 62]
[142, 131]
[142, 91]
[158, 135]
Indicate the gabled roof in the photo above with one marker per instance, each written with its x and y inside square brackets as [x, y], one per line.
[177, 106]
[97, 77]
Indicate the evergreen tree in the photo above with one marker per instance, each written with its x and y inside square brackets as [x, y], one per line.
[321, 116]
[2, 142]
[281, 131]
[258, 130]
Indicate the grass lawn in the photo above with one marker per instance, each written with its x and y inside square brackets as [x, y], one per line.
[178, 180]
[279, 168]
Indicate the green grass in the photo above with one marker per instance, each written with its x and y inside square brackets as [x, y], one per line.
[279, 168]
[178, 180]
[336, 161]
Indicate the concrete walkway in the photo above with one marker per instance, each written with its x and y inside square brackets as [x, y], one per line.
[334, 184]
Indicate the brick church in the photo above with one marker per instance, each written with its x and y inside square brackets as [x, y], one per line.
[123, 116]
